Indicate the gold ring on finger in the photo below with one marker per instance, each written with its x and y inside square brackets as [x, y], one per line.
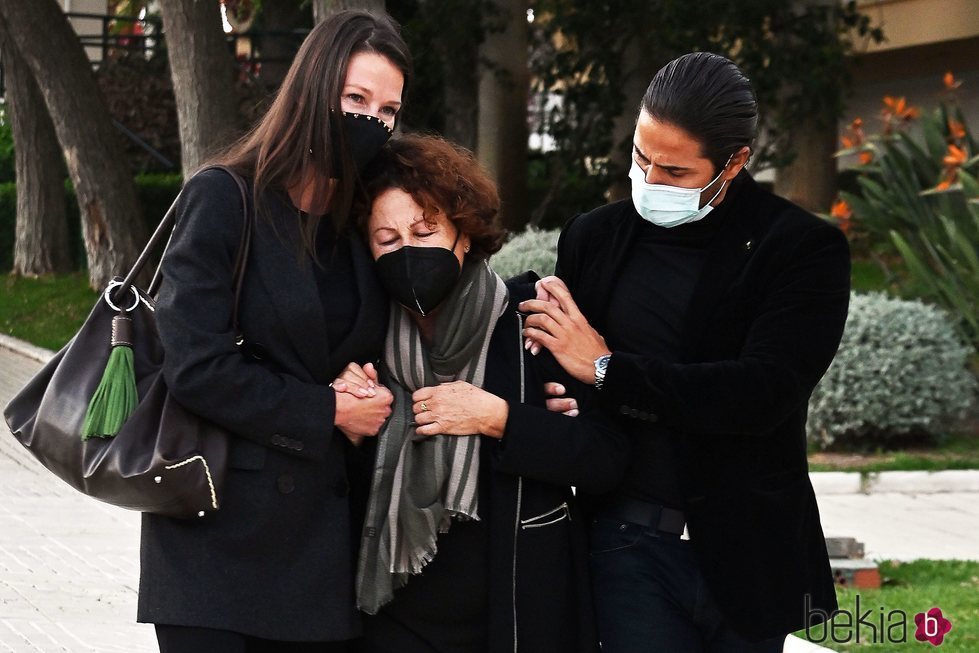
[424, 407]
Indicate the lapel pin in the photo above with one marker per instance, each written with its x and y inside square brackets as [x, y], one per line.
[747, 245]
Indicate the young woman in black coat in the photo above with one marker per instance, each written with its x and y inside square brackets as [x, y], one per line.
[272, 569]
[473, 542]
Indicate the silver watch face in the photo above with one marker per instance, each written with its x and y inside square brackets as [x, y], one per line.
[601, 363]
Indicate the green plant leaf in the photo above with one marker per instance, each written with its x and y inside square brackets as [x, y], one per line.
[933, 129]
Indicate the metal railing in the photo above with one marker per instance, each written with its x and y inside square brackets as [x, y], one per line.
[143, 35]
[119, 36]
[147, 35]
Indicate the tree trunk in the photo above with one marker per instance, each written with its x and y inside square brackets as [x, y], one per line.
[323, 8]
[502, 128]
[41, 240]
[810, 180]
[458, 53]
[461, 101]
[639, 66]
[203, 71]
[112, 226]
[280, 17]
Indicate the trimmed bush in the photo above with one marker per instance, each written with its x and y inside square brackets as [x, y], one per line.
[154, 191]
[902, 370]
[532, 249]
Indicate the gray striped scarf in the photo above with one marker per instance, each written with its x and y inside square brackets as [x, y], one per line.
[420, 483]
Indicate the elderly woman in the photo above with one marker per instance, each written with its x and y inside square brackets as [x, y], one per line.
[473, 541]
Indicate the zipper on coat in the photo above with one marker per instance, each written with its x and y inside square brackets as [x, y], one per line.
[516, 521]
[564, 513]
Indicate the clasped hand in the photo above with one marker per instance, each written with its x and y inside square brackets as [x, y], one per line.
[455, 408]
[362, 404]
[460, 408]
[557, 324]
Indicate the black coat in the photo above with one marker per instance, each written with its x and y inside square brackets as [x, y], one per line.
[762, 327]
[538, 560]
[275, 561]
[538, 587]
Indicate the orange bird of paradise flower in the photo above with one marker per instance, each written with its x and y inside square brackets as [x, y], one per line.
[954, 158]
[950, 82]
[956, 129]
[897, 110]
[843, 214]
[855, 139]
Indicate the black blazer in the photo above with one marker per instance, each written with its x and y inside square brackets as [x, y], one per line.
[762, 327]
[275, 561]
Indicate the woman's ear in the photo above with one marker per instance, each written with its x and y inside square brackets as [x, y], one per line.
[464, 247]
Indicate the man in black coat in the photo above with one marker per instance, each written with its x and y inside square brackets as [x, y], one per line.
[705, 309]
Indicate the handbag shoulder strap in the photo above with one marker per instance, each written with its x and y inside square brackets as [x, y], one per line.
[166, 227]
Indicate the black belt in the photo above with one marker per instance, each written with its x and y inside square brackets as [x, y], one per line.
[646, 514]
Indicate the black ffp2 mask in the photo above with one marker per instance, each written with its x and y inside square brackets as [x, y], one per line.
[419, 278]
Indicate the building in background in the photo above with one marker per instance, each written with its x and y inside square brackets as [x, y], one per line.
[86, 26]
[925, 39]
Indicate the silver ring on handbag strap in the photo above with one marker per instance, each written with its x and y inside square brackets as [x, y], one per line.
[108, 291]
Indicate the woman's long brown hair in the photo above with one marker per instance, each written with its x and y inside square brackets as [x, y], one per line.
[295, 136]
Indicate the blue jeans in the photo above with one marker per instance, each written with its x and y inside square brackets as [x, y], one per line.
[650, 596]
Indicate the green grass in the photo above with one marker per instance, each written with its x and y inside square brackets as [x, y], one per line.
[955, 452]
[911, 587]
[46, 311]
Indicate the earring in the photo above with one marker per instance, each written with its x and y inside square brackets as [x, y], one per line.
[466, 249]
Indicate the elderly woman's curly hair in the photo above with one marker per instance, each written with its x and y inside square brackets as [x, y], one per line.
[442, 178]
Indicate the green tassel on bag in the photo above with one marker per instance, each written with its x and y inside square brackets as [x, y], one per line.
[115, 399]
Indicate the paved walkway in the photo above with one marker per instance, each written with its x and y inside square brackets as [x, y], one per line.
[69, 564]
[896, 526]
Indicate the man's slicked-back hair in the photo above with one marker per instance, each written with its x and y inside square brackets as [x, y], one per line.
[710, 98]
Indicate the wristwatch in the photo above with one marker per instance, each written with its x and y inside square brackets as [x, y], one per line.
[601, 364]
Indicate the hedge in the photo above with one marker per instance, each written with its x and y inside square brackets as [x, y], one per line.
[901, 371]
[155, 193]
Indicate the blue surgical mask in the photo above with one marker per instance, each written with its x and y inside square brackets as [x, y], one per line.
[670, 206]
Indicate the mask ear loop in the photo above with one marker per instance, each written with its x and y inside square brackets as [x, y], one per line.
[715, 179]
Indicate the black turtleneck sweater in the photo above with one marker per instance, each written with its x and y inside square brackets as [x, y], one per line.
[646, 316]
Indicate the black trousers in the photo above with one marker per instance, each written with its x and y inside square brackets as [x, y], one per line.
[191, 639]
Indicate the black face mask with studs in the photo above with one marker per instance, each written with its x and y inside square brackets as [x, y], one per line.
[364, 136]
